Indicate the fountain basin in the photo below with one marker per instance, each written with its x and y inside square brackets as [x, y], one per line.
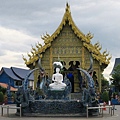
[53, 107]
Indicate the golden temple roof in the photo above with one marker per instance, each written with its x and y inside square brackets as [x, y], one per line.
[103, 58]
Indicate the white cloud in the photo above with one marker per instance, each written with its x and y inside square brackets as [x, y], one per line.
[13, 44]
[22, 23]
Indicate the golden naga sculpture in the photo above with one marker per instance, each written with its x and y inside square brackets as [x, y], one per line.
[104, 52]
[47, 35]
[43, 38]
[89, 36]
[108, 60]
[91, 48]
[107, 54]
[33, 54]
[37, 46]
[29, 56]
[46, 38]
[97, 46]
[24, 58]
[33, 49]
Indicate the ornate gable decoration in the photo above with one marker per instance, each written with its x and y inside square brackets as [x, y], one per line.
[86, 39]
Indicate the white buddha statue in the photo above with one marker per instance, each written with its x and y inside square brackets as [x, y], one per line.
[57, 78]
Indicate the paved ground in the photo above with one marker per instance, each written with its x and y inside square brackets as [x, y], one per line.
[106, 116]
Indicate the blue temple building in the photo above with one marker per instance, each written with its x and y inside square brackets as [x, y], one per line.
[14, 77]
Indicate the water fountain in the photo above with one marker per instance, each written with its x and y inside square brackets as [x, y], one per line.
[54, 98]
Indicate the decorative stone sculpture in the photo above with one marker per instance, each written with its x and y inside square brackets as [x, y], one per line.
[57, 78]
[56, 95]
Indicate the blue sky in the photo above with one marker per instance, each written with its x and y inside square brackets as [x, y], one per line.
[22, 22]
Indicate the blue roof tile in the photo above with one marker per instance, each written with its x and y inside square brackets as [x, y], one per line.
[9, 72]
[21, 73]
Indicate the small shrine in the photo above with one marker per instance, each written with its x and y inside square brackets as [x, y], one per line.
[73, 48]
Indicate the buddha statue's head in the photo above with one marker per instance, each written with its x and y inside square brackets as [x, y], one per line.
[58, 65]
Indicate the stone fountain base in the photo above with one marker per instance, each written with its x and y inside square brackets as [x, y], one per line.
[54, 108]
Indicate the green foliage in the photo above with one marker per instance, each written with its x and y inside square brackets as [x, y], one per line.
[13, 94]
[105, 96]
[3, 90]
[104, 82]
[0, 88]
[1, 97]
[116, 76]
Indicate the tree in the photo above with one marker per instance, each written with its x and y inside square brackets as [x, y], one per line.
[104, 82]
[105, 96]
[3, 90]
[1, 97]
[116, 77]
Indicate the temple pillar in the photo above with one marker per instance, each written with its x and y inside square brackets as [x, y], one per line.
[83, 58]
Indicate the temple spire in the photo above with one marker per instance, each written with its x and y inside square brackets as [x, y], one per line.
[67, 7]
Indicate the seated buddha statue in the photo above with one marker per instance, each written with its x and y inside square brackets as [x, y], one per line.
[57, 78]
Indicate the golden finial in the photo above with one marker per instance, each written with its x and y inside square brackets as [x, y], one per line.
[39, 44]
[32, 53]
[42, 37]
[104, 52]
[29, 55]
[67, 7]
[47, 34]
[100, 47]
[24, 58]
[45, 37]
[33, 48]
[96, 44]
[110, 57]
[107, 54]
[89, 35]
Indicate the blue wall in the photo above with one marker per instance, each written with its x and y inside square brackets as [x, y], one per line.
[4, 78]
